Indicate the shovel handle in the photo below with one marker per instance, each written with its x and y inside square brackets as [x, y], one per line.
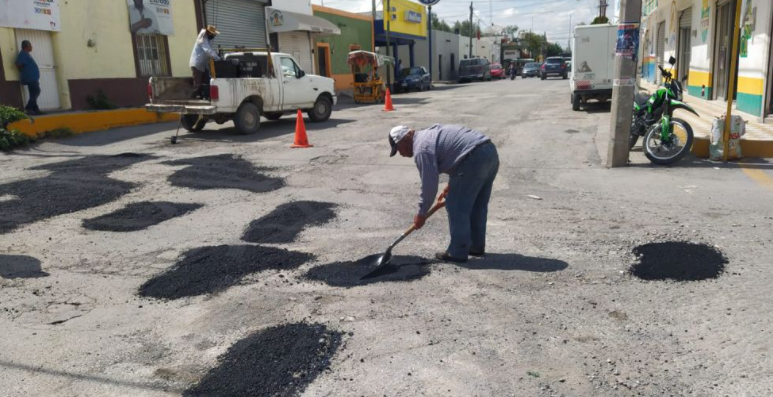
[440, 204]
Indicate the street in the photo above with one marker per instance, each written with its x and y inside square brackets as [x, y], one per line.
[210, 249]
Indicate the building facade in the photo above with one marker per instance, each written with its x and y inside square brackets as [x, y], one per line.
[89, 47]
[293, 29]
[356, 33]
[445, 55]
[698, 33]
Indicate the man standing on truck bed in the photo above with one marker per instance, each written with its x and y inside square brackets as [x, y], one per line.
[202, 52]
[472, 161]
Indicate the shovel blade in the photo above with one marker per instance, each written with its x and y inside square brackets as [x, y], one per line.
[380, 262]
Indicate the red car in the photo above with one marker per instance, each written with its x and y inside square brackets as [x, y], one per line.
[497, 72]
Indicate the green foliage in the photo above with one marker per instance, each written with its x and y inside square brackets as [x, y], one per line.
[9, 115]
[511, 31]
[464, 28]
[12, 139]
[533, 43]
[554, 49]
[100, 101]
[603, 20]
[439, 24]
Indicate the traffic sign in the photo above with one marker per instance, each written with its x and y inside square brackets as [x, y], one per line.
[429, 2]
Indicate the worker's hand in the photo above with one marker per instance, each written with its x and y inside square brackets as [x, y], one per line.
[418, 221]
[147, 22]
[444, 193]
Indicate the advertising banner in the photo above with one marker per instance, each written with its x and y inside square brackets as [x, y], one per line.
[30, 14]
[150, 17]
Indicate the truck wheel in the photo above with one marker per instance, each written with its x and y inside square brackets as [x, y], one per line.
[321, 111]
[576, 102]
[247, 118]
[192, 123]
[273, 116]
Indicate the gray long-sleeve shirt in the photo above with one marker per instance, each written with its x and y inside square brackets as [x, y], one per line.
[202, 51]
[439, 149]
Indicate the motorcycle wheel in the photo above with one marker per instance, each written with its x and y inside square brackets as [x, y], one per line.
[661, 153]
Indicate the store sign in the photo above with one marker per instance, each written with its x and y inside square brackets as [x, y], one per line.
[150, 17]
[30, 14]
[510, 54]
[429, 2]
[412, 16]
[277, 19]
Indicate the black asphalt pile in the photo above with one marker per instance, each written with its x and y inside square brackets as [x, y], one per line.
[139, 216]
[72, 186]
[349, 274]
[279, 361]
[223, 171]
[678, 261]
[208, 270]
[286, 222]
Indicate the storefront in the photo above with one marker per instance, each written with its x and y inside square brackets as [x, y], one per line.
[242, 23]
[408, 26]
[294, 33]
[332, 51]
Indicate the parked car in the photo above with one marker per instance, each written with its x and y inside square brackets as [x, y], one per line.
[474, 69]
[247, 87]
[554, 66]
[497, 72]
[531, 69]
[415, 78]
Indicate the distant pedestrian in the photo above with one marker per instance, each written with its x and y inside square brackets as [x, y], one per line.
[200, 56]
[29, 76]
[472, 161]
[399, 66]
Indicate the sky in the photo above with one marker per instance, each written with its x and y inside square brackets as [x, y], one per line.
[552, 17]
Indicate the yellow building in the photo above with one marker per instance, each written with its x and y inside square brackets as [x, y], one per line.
[407, 24]
[85, 47]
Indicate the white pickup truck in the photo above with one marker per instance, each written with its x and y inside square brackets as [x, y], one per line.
[245, 86]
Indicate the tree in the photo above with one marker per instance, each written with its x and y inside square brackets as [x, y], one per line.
[554, 49]
[439, 24]
[463, 28]
[511, 31]
[532, 42]
[602, 20]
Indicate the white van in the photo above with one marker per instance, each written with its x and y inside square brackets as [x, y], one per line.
[593, 63]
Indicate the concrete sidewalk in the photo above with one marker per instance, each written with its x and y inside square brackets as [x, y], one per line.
[758, 141]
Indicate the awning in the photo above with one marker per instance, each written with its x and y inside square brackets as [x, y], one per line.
[286, 21]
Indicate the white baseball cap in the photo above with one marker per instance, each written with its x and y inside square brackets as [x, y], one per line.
[395, 135]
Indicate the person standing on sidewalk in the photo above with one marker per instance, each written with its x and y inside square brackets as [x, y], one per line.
[29, 76]
[202, 52]
[472, 162]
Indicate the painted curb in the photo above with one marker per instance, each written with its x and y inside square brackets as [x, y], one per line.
[700, 147]
[90, 121]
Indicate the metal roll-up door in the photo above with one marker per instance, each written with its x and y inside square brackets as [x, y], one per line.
[661, 48]
[297, 44]
[685, 20]
[242, 23]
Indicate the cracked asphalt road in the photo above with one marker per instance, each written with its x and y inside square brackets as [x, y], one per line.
[552, 311]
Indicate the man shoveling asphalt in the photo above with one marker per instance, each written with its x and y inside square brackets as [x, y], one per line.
[472, 162]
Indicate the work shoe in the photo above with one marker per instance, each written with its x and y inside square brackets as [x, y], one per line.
[443, 256]
[478, 254]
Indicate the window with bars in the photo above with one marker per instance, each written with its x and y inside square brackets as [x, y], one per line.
[151, 55]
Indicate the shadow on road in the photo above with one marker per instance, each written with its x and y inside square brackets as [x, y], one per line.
[596, 107]
[515, 262]
[104, 138]
[17, 266]
[268, 130]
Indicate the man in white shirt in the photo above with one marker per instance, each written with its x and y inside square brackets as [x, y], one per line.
[141, 19]
[202, 52]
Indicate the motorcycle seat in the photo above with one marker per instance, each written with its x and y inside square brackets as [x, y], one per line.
[641, 99]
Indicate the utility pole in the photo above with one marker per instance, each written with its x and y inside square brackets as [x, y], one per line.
[430, 45]
[624, 85]
[374, 14]
[733, 66]
[603, 7]
[388, 16]
[470, 30]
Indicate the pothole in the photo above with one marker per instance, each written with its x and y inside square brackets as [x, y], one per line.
[208, 270]
[349, 274]
[678, 261]
[288, 220]
[73, 186]
[278, 361]
[223, 171]
[139, 216]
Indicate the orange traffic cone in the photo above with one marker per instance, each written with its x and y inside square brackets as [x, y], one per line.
[388, 102]
[300, 133]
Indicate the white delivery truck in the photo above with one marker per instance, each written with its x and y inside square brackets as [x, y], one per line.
[246, 86]
[593, 63]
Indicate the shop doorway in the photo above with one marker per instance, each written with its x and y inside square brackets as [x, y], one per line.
[661, 49]
[685, 45]
[722, 50]
[43, 53]
[323, 59]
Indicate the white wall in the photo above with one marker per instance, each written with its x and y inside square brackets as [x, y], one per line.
[299, 6]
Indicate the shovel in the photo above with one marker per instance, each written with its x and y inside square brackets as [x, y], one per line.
[382, 261]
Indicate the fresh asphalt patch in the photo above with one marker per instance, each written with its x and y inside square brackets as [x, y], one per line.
[279, 361]
[72, 186]
[223, 171]
[139, 216]
[678, 261]
[349, 274]
[208, 270]
[288, 220]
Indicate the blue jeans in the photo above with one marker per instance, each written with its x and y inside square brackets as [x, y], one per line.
[467, 202]
[34, 89]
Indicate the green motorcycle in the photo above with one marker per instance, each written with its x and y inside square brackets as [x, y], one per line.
[666, 138]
